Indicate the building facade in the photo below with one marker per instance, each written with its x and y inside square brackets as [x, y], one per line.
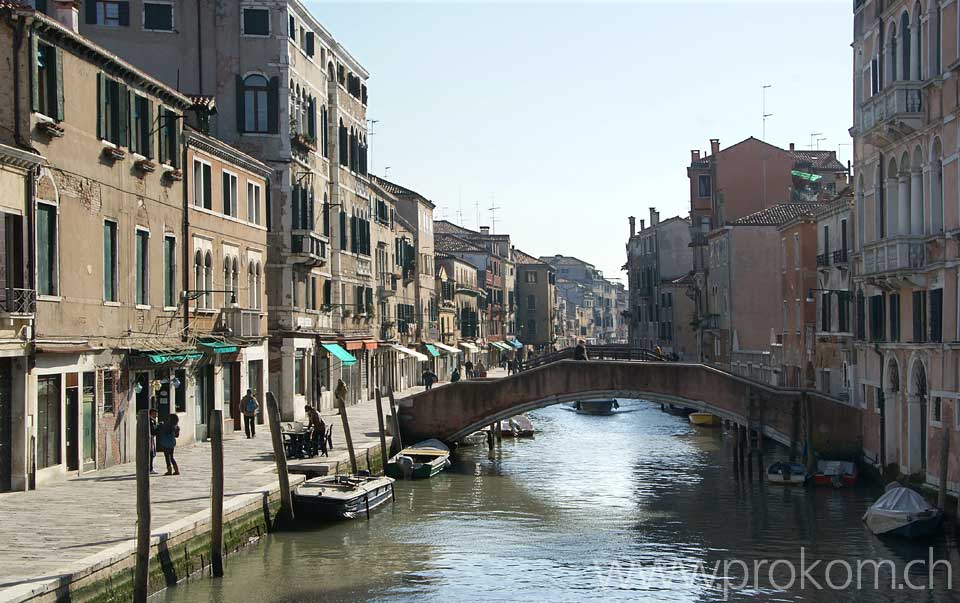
[536, 313]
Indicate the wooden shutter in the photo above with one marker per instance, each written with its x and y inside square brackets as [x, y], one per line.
[123, 115]
[91, 12]
[59, 84]
[310, 46]
[101, 106]
[163, 137]
[35, 69]
[273, 105]
[124, 13]
[312, 117]
[148, 129]
[241, 105]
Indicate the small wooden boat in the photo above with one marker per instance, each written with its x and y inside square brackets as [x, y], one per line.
[596, 407]
[704, 419]
[422, 460]
[835, 473]
[905, 513]
[517, 427]
[341, 496]
[790, 474]
[677, 411]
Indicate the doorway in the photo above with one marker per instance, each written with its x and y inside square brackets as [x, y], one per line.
[255, 383]
[89, 414]
[917, 423]
[6, 428]
[73, 422]
[204, 398]
[231, 393]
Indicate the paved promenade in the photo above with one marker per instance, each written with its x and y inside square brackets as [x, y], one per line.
[66, 527]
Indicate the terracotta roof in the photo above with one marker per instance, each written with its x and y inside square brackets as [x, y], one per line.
[450, 244]
[778, 214]
[526, 258]
[821, 160]
[447, 227]
[396, 189]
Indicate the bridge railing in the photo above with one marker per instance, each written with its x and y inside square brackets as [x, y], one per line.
[597, 352]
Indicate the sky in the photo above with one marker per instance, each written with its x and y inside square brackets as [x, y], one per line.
[571, 116]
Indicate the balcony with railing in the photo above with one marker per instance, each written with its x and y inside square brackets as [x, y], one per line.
[898, 253]
[823, 260]
[895, 111]
[18, 303]
[308, 247]
[242, 322]
[840, 257]
[386, 285]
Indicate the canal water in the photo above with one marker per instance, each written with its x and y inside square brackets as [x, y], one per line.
[639, 506]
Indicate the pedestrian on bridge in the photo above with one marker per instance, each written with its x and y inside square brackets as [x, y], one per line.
[468, 367]
[580, 352]
[429, 378]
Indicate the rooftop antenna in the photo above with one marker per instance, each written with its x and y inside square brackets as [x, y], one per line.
[460, 208]
[821, 138]
[476, 206]
[764, 110]
[493, 214]
[386, 172]
[813, 137]
[371, 131]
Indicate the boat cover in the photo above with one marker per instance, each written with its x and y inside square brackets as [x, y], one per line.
[430, 444]
[897, 508]
[838, 468]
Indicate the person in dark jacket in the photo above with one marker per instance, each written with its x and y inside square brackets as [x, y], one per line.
[154, 430]
[167, 436]
[429, 378]
[580, 352]
[468, 370]
[455, 375]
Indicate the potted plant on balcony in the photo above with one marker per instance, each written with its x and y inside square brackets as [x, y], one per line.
[371, 310]
[347, 312]
[304, 141]
[325, 308]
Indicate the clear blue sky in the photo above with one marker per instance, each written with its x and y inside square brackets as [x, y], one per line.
[573, 116]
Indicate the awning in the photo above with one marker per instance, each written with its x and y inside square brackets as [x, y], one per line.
[515, 343]
[352, 345]
[433, 351]
[468, 346]
[344, 356]
[163, 358]
[369, 345]
[219, 347]
[805, 175]
[448, 349]
[409, 352]
[501, 346]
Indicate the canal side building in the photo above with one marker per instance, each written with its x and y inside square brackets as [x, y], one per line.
[536, 285]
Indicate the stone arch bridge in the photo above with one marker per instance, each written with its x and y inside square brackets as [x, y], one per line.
[451, 412]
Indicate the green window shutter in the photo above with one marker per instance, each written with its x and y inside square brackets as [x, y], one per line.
[123, 116]
[312, 118]
[101, 106]
[241, 108]
[134, 121]
[163, 137]
[177, 132]
[59, 84]
[273, 105]
[148, 128]
[35, 66]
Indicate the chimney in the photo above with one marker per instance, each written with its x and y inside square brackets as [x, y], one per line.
[633, 226]
[643, 224]
[694, 155]
[714, 146]
[792, 146]
[654, 216]
[67, 12]
[485, 230]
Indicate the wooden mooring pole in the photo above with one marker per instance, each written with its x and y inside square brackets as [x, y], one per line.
[383, 433]
[142, 569]
[342, 409]
[280, 457]
[216, 492]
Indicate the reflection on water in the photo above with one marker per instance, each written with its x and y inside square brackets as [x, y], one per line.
[631, 507]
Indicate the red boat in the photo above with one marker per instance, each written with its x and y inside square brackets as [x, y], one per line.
[835, 473]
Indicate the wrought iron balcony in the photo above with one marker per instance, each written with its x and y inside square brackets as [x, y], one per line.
[840, 256]
[243, 322]
[903, 252]
[308, 247]
[823, 259]
[18, 302]
[893, 113]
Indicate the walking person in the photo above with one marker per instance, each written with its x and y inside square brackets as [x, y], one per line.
[167, 441]
[154, 430]
[250, 406]
[455, 376]
[580, 352]
[468, 370]
[429, 378]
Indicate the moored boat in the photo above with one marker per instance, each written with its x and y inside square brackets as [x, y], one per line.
[678, 411]
[422, 460]
[517, 427]
[835, 473]
[903, 512]
[596, 407]
[704, 419]
[790, 474]
[341, 496]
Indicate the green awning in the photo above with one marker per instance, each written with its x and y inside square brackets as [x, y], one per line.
[218, 347]
[515, 344]
[344, 356]
[500, 346]
[805, 175]
[162, 358]
[433, 351]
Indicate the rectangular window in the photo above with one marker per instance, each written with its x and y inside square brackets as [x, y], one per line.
[796, 252]
[112, 111]
[202, 185]
[531, 302]
[157, 16]
[531, 327]
[180, 393]
[167, 127]
[229, 194]
[877, 317]
[292, 28]
[299, 373]
[141, 125]
[48, 81]
[843, 313]
[894, 317]
[313, 293]
[703, 185]
[111, 13]
[108, 392]
[530, 277]
[47, 250]
[253, 202]
[169, 271]
[294, 292]
[142, 268]
[798, 317]
[110, 261]
[825, 312]
[256, 22]
[936, 315]
[919, 316]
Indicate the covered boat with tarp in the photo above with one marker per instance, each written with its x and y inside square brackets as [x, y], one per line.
[903, 512]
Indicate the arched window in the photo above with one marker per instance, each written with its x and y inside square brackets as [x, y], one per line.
[236, 278]
[227, 279]
[251, 285]
[207, 280]
[936, 188]
[343, 143]
[905, 46]
[198, 273]
[259, 286]
[917, 52]
[937, 60]
[255, 104]
[892, 54]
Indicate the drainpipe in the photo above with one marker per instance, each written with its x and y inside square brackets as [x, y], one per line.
[185, 251]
